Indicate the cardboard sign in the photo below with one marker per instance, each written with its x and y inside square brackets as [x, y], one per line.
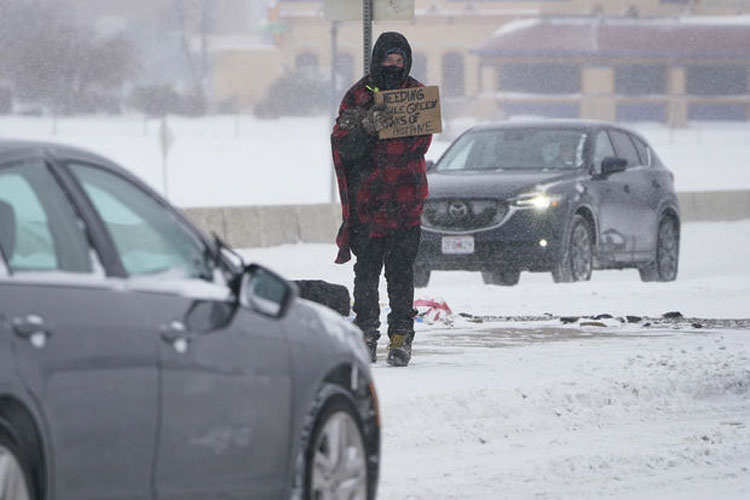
[416, 111]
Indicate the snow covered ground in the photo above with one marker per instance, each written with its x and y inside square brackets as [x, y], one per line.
[542, 409]
[228, 160]
[511, 409]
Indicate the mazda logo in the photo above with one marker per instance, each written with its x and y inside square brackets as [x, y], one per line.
[457, 209]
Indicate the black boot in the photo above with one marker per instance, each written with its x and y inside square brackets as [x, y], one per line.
[399, 349]
[371, 341]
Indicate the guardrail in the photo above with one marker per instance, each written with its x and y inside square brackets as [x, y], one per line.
[263, 226]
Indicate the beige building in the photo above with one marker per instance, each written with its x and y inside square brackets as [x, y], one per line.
[453, 43]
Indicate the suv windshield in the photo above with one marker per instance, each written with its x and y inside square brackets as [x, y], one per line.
[521, 148]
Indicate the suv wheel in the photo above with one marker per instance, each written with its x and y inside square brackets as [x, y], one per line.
[664, 268]
[577, 254]
[421, 277]
[507, 277]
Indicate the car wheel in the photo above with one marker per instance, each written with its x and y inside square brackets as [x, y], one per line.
[577, 254]
[337, 457]
[421, 277]
[14, 479]
[507, 277]
[664, 268]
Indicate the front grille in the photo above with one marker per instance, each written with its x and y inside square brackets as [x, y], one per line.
[462, 214]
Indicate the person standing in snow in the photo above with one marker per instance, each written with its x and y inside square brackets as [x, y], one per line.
[382, 185]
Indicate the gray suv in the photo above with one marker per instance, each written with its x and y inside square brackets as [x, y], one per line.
[141, 359]
[559, 196]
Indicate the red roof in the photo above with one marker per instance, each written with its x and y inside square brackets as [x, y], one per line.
[643, 38]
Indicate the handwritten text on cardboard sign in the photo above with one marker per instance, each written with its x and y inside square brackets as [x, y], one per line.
[416, 111]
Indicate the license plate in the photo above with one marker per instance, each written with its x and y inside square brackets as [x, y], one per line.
[458, 244]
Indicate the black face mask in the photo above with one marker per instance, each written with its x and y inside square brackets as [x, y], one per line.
[392, 76]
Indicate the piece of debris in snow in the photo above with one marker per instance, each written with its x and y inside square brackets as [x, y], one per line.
[672, 315]
[592, 323]
[569, 319]
[633, 319]
[603, 316]
[430, 311]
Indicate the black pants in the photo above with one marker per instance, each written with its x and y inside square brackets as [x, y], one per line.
[396, 252]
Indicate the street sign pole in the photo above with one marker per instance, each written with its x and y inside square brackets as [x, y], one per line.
[166, 138]
[366, 34]
[333, 97]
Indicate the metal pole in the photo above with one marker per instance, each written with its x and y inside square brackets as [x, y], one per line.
[367, 33]
[333, 103]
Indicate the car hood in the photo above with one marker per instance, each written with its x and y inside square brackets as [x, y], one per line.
[320, 322]
[500, 185]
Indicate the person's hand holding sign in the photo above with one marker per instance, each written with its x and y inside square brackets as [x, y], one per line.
[376, 119]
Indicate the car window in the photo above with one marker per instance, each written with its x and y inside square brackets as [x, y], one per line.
[456, 157]
[39, 230]
[643, 151]
[625, 148]
[148, 238]
[602, 149]
[512, 149]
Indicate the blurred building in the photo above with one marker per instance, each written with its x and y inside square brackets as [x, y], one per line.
[657, 70]
[635, 60]
[669, 61]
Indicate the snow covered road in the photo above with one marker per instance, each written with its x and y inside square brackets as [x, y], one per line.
[555, 412]
[540, 409]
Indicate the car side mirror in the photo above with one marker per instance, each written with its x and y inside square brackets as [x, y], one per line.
[613, 164]
[429, 165]
[265, 291]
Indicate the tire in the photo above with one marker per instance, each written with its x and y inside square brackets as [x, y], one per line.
[667, 258]
[336, 460]
[421, 277]
[508, 277]
[14, 475]
[577, 253]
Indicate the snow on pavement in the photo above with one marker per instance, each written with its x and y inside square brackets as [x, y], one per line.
[615, 415]
[541, 409]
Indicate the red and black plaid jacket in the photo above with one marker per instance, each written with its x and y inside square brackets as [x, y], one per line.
[382, 183]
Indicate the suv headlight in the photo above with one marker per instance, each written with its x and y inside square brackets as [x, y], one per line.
[538, 201]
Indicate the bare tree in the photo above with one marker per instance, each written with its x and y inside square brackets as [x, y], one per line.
[58, 63]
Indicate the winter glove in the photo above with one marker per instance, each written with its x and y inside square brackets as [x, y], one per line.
[351, 118]
[377, 118]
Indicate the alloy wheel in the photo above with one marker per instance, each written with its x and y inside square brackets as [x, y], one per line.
[339, 469]
[580, 253]
[667, 250]
[12, 479]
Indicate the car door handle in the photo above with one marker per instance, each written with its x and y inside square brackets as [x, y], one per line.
[32, 328]
[626, 188]
[655, 184]
[175, 334]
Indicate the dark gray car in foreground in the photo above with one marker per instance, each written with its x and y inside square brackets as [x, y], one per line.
[141, 359]
[559, 196]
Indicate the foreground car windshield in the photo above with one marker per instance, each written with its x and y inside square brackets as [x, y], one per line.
[523, 148]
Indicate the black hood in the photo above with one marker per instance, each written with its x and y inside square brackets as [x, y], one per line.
[385, 42]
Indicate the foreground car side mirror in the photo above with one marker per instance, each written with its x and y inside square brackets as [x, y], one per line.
[613, 164]
[265, 291]
[429, 165]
